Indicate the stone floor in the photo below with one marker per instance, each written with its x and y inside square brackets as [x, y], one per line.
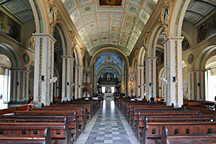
[108, 127]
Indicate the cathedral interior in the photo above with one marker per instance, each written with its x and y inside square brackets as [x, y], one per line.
[107, 71]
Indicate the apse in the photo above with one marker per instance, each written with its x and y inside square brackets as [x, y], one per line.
[109, 71]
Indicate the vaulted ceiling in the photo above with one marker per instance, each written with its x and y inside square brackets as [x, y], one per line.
[199, 9]
[109, 22]
[20, 9]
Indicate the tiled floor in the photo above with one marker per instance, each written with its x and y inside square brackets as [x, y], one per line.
[107, 127]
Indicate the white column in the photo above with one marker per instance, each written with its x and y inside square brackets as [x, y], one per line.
[76, 82]
[138, 82]
[44, 68]
[150, 77]
[197, 85]
[80, 81]
[26, 88]
[13, 85]
[67, 78]
[19, 84]
[173, 66]
[64, 78]
[142, 80]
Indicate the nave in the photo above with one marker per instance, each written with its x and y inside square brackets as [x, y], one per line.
[59, 57]
[108, 127]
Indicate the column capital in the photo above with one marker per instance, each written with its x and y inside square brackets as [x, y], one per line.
[175, 37]
[140, 66]
[200, 70]
[43, 35]
[151, 58]
[67, 57]
[19, 68]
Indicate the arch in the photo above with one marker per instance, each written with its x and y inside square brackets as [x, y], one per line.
[203, 57]
[109, 50]
[115, 67]
[177, 17]
[141, 56]
[11, 53]
[191, 43]
[62, 38]
[77, 57]
[115, 51]
[40, 12]
[117, 47]
[152, 41]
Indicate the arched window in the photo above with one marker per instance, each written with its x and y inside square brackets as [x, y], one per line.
[210, 79]
[5, 65]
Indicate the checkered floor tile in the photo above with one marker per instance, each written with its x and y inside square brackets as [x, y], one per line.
[108, 128]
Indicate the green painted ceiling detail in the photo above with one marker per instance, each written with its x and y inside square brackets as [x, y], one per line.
[117, 25]
[20, 9]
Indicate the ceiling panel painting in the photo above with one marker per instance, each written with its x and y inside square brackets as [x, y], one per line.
[110, 2]
[114, 22]
[199, 9]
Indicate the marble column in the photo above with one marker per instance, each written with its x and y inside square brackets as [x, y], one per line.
[138, 82]
[141, 80]
[14, 84]
[67, 78]
[150, 87]
[44, 68]
[19, 84]
[173, 69]
[197, 85]
[76, 82]
[80, 81]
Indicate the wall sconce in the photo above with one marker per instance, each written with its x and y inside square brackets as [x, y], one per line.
[42, 78]
[198, 84]
[174, 79]
[150, 84]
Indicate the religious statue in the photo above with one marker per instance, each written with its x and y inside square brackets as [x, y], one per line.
[165, 16]
[53, 15]
[31, 42]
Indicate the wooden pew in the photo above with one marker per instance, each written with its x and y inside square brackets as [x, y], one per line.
[71, 120]
[23, 140]
[59, 132]
[80, 121]
[189, 133]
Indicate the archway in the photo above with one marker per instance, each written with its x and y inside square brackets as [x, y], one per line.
[59, 64]
[210, 79]
[5, 80]
[110, 63]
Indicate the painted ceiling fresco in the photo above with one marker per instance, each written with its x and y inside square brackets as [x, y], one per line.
[199, 9]
[109, 58]
[20, 9]
[114, 22]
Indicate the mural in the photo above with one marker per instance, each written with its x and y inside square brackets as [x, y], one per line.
[109, 58]
[9, 26]
[185, 44]
[207, 29]
[110, 2]
[115, 22]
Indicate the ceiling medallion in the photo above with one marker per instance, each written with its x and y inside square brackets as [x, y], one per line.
[110, 2]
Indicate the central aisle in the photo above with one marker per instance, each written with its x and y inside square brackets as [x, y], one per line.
[107, 127]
